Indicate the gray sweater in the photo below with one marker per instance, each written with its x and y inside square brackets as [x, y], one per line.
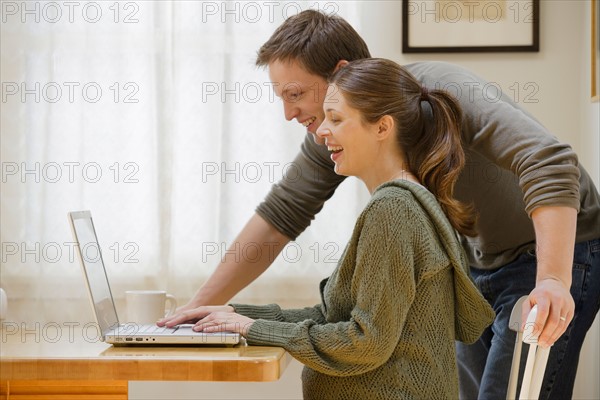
[391, 310]
[513, 166]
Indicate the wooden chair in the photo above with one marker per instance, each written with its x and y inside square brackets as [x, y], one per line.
[537, 357]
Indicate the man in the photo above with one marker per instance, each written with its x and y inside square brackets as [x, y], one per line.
[539, 213]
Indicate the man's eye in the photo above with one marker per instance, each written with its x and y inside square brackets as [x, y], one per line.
[294, 96]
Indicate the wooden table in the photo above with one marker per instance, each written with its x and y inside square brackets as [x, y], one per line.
[65, 363]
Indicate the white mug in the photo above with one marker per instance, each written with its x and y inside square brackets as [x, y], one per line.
[148, 306]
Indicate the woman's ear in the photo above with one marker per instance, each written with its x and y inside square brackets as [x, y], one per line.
[340, 64]
[385, 127]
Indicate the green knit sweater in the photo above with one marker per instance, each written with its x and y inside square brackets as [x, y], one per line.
[391, 310]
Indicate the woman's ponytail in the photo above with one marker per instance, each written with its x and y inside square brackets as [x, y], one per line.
[438, 158]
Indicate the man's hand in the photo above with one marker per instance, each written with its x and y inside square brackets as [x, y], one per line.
[556, 309]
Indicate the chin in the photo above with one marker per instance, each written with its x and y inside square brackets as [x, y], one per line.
[341, 171]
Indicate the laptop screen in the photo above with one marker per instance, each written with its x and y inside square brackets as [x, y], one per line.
[94, 271]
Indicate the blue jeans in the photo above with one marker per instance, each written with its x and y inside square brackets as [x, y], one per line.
[484, 367]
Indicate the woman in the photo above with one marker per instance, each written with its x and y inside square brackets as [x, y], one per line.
[400, 294]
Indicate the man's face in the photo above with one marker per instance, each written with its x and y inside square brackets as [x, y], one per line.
[302, 94]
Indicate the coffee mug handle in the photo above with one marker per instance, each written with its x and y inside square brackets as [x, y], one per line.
[173, 305]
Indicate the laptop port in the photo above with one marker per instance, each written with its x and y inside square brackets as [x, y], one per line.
[128, 339]
[139, 339]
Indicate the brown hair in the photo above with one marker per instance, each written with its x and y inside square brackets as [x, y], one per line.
[430, 140]
[317, 40]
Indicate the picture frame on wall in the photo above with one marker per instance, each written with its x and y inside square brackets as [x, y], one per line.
[454, 26]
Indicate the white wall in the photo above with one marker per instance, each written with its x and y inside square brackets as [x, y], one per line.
[560, 71]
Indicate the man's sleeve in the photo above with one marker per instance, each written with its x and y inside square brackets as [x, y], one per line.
[500, 130]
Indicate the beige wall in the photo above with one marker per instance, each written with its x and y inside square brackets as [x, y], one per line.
[555, 71]
[561, 73]
[587, 385]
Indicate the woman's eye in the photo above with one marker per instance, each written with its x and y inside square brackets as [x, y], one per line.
[333, 119]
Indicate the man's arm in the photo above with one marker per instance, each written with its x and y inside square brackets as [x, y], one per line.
[547, 173]
[555, 238]
[288, 209]
[230, 276]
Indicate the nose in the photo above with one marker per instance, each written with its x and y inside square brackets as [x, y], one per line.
[290, 110]
[323, 131]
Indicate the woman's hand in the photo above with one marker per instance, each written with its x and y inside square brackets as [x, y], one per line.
[220, 321]
[192, 315]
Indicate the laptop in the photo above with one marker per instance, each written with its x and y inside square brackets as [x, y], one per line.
[103, 304]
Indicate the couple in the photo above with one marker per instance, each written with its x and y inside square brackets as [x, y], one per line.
[401, 294]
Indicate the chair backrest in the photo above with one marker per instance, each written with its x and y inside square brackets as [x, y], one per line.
[537, 357]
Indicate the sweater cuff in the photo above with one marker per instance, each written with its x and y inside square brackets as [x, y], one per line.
[270, 312]
[272, 333]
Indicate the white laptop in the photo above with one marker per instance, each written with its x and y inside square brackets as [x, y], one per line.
[104, 307]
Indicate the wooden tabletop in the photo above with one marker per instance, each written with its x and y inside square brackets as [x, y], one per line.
[56, 353]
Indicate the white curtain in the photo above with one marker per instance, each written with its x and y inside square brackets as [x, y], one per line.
[153, 116]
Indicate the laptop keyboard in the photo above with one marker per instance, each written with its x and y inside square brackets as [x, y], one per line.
[150, 329]
[155, 329]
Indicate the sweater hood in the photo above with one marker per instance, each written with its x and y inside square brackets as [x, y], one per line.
[472, 313]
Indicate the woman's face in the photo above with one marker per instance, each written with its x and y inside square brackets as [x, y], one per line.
[351, 141]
